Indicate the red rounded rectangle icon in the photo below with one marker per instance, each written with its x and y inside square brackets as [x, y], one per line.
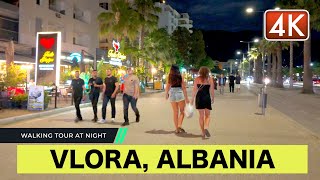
[286, 25]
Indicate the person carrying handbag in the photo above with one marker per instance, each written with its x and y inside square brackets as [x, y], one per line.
[203, 93]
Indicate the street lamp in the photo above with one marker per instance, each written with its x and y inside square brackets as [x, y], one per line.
[249, 10]
[153, 71]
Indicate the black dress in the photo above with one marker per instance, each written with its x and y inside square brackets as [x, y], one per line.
[203, 99]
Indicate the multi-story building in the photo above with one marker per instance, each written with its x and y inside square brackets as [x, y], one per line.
[76, 20]
[184, 21]
[168, 17]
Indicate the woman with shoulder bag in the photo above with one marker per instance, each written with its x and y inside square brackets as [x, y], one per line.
[203, 92]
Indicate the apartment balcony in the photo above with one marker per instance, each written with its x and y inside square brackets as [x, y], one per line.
[9, 35]
[58, 6]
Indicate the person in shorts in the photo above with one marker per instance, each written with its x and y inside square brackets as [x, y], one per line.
[238, 80]
[177, 93]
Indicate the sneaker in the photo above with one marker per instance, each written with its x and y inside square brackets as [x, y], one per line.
[125, 124]
[102, 121]
[138, 118]
[112, 120]
[94, 120]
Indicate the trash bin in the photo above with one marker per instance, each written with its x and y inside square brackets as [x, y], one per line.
[262, 99]
[158, 85]
[142, 87]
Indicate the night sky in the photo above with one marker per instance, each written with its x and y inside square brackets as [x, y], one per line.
[224, 23]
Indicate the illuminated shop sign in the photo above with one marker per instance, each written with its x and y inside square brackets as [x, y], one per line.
[115, 56]
[48, 57]
[76, 55]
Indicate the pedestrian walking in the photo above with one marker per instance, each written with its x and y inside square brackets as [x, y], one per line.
[222, 83]
[78, 91]
[215, 83]
[231, 83]
[110, 90]
[203, 92]
[95, 84]
[238, 80]
[176, 90]
[131, 93]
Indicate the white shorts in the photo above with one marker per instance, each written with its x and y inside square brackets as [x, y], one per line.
[237, 86]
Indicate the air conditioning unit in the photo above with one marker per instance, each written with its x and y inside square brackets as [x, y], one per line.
[58, 15]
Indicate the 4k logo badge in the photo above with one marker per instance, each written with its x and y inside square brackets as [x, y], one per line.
[286, 25]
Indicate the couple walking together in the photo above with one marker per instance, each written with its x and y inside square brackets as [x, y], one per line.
[203, 94]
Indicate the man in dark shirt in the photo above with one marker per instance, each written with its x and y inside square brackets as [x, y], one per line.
[78, 89]
[111, 87]
[238, 80]
[231, 83]
[95, 84]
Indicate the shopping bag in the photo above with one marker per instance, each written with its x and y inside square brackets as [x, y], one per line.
[189, 111]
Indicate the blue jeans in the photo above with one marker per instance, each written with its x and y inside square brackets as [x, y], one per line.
[104, 106]
[126, 100]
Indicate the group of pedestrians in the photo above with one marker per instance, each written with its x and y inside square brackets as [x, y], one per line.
[234, 82]
[109, 88]
[176, 92]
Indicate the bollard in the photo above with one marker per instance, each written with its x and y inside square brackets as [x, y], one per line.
[262, 100]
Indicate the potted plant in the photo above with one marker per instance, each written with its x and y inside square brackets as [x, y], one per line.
[20, 101]
[47, 99]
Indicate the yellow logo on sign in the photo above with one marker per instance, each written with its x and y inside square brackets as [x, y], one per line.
[48, 57]
[113, 54]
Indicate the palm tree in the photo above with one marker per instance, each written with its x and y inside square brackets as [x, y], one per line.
[313, 7]
[121, 21]
[231, 62]
[147, 19]
[255, 55]
[291, 61]
[279, 47]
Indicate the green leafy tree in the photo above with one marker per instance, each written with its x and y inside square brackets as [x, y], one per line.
[208, 62]
[15, 76]
[147, 19]
[181, 37]
[197, 52]
[121, 21]
[313, 7]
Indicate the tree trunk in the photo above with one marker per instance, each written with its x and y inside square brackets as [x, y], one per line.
[291, 64]
[269, 65]
[258, 70]
[254, 70]
[274, 69]
[9, 55]
[279, 67]
[307, 75]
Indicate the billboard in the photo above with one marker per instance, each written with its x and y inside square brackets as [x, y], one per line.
[48, 54]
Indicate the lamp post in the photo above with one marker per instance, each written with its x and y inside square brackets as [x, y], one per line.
[256, 40]
[153, 71]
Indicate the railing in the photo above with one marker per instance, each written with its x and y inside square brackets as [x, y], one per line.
[9, 35]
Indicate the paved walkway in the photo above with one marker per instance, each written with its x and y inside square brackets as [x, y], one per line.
[303, 108]
[234, 121]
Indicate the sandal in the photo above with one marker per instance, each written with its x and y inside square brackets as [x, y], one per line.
[181, 130]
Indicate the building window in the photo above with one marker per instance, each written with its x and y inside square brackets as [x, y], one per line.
[38, 25]
[74, 40]
[38, 2]
[104, 6]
